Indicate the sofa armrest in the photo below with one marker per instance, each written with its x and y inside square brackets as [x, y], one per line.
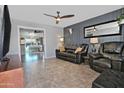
[117, 58]
[83, 53]
[57, 52]
[80, 56]
[116, 65]
[95, 56]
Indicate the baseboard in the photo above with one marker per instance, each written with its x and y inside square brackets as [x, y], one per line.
[50, 57]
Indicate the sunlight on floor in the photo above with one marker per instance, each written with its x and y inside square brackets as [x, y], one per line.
[30, 57]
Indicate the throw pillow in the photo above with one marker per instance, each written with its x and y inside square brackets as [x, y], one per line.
[62, 49]
[78, 49]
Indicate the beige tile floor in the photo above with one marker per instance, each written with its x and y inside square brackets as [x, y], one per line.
[56, 73]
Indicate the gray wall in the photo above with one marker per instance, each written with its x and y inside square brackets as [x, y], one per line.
[77, 36]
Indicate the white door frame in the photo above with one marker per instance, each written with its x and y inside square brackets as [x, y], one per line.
[32, 28]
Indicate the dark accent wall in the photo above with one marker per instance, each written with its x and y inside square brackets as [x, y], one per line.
[77, 36]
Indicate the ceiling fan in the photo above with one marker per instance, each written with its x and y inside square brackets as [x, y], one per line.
[58, 17]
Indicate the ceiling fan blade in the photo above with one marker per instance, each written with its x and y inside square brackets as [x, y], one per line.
[66, 16]
[50, 15]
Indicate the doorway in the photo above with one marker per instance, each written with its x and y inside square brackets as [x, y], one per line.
[32, 44]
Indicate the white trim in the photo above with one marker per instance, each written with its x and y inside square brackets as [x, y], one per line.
[51, 57]
[34, 28]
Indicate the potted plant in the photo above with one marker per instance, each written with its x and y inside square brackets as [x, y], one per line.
[121, 17]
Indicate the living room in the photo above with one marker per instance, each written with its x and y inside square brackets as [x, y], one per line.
[75, 54]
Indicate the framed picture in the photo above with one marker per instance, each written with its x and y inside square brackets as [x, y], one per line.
[103, 29]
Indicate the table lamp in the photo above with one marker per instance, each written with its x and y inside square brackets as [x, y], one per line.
[93, 41]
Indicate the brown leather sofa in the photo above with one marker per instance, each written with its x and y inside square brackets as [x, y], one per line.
[109, 56]
[70, 56]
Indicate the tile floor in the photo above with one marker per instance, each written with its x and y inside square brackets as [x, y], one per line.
[56, 73]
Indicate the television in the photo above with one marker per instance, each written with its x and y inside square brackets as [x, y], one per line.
[5, 32]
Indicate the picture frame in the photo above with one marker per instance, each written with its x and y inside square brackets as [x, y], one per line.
[109, 28]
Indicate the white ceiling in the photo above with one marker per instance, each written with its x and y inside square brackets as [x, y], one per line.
[34, 13]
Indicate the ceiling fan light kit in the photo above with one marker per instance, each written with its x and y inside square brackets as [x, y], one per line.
[58, 17]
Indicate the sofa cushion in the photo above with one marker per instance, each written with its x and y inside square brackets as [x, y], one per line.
[102, 62]
[111, 51]
[70, 50]
[72, 46]
[69, 55]
[114, 48]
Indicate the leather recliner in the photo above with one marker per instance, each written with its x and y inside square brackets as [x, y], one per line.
[109, 56]
[70, 56]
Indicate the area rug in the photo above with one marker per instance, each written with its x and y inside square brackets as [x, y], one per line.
[12, 78]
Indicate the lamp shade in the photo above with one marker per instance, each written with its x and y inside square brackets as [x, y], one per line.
[94, 40]
[61, 39]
